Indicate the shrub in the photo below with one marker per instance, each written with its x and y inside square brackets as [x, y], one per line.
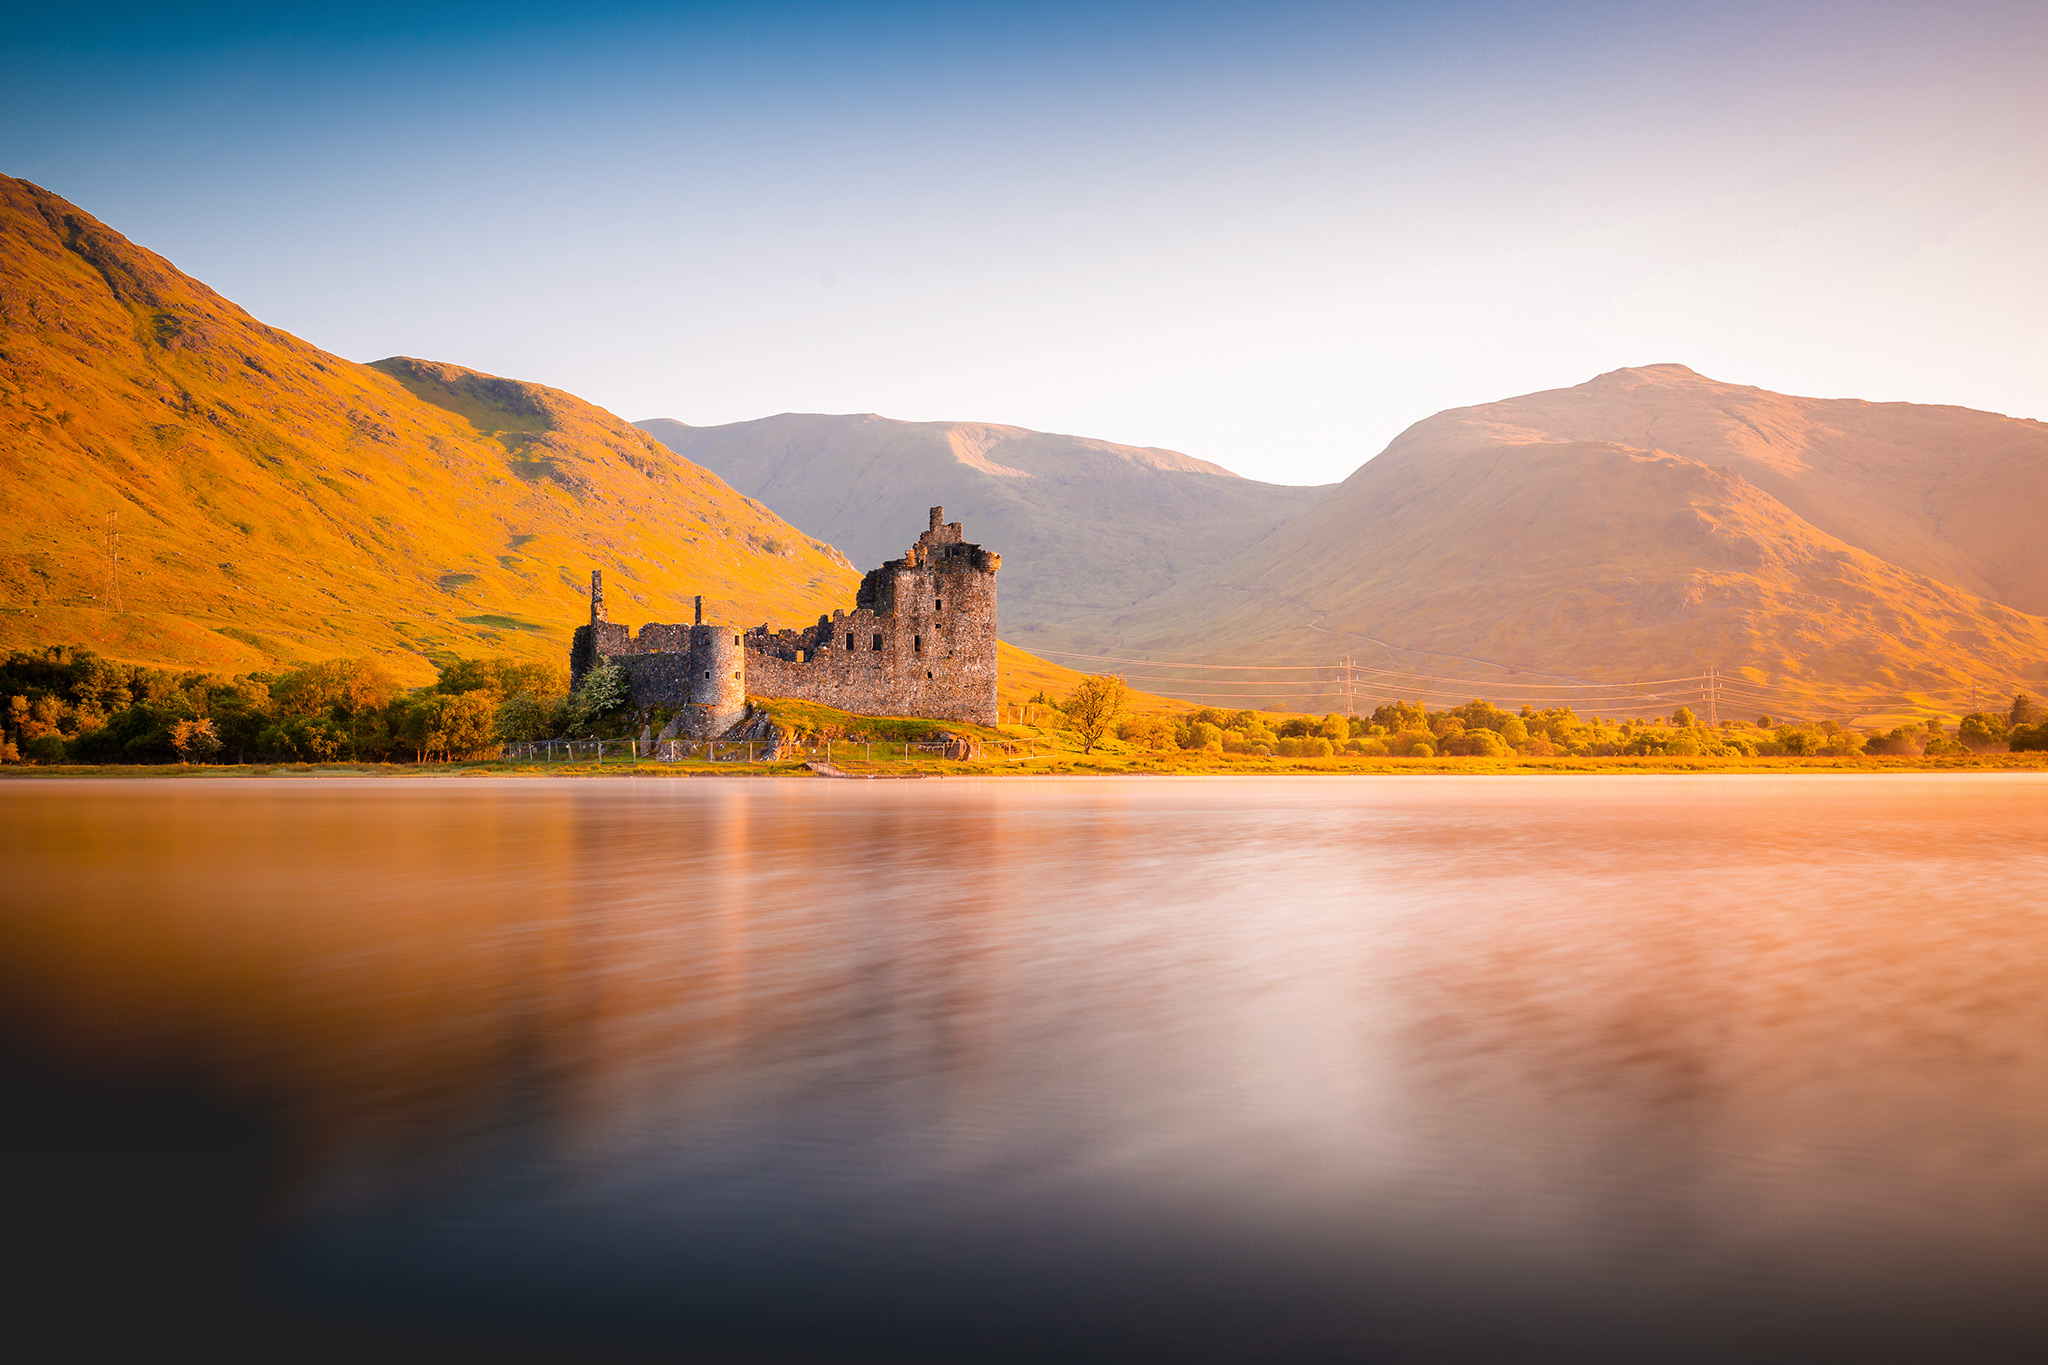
[45, 749]
[1422, 748]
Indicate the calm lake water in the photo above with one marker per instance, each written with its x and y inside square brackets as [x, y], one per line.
[1414, 1068]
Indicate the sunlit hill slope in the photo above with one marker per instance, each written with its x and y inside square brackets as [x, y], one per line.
[274, 503]
[1652, 523]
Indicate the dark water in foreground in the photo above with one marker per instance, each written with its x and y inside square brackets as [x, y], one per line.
[1730, 1067]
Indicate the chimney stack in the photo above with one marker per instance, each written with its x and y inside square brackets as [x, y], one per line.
[597, 614]
[700, 612]
[938, 517]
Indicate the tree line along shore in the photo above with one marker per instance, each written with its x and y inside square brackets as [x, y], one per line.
[68, 707]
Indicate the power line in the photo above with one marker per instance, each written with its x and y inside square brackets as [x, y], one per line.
[113, 560]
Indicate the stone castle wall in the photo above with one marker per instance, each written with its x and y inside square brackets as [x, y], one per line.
[920, 641]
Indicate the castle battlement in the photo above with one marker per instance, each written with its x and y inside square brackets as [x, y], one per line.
[920, 641]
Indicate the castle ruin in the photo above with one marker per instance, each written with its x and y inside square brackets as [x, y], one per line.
[920, 641]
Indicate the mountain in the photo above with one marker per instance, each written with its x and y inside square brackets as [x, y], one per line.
[274, 503]
[1654, 523]
[1086, 528]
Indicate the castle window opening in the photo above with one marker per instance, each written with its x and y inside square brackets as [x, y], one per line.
[938, 604]
[707, 673]
[878, 642]
[917, 644]
[849, 643]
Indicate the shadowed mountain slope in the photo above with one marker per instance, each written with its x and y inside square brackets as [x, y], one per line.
[1085, 527]
[277, 503]
[1653, 523]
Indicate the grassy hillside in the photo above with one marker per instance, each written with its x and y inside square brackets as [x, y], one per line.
[1946, 492]
[1500, 543]
[1085, 527]
[274, 503]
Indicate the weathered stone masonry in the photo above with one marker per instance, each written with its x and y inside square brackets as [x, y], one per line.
[920, 641]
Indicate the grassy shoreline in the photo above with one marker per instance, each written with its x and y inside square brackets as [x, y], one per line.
[1059, 764]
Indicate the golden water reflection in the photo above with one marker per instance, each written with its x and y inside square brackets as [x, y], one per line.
[1761, 1056]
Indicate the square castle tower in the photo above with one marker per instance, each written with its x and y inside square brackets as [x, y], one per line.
[920, 641]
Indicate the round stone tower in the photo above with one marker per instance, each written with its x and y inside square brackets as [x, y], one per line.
[718, 682]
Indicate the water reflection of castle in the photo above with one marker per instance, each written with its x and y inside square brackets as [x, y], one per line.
[920, 641]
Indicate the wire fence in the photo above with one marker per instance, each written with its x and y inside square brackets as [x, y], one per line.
[724, 751]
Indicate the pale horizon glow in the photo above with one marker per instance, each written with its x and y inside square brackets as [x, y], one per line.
[1268, 239]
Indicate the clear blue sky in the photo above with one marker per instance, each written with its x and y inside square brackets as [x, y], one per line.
[1269, 236]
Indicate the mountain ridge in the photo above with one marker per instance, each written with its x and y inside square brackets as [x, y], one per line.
[1521, 534]
[1086, 526]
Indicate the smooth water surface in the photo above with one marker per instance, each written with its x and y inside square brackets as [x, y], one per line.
[1406, 1068]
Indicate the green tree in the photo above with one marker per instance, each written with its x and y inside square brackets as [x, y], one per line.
[1093, 706]
[1398, 716]
[195, 740]
[502, 678]
[1981, 731]
[2030, 738]
[1147, 731]
[604, 695]
[2024, 711]
[1476, 743]
[466, 725]
[523, 717]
